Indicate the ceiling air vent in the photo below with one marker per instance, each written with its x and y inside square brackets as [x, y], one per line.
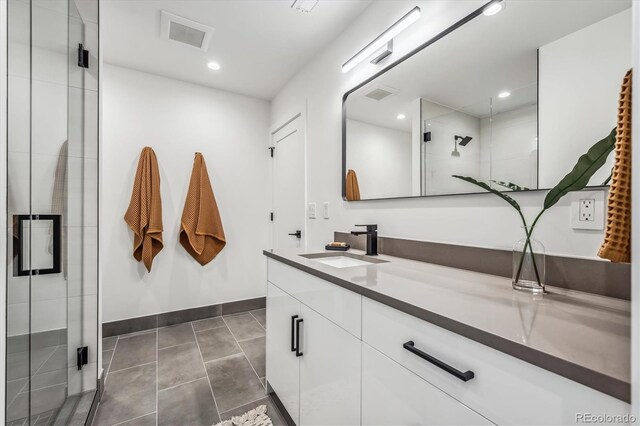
[378, 93]
[186, 31]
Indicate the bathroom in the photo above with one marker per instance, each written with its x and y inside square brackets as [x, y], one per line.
[319, 212]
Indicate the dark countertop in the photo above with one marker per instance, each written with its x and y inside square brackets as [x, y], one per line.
[580, 336]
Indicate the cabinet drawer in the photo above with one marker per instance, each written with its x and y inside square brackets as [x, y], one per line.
[341, 306]
[505, 389]
[392, 395]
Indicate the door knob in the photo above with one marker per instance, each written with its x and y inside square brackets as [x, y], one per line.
[297, 234]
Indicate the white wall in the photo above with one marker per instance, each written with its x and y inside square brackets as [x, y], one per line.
[445, 124]
[580, 77]
[177, 119]
[509, 147]
[381, 158]
[482, 220]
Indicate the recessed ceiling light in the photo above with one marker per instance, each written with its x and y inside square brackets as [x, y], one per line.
[213, 66]
[493, 8]
[401, 117]
[504, 94]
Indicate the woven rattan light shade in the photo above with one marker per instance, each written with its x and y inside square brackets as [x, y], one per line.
[617, 239]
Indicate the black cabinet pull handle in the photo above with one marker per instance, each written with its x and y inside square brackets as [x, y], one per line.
[293, 335]
[464, 376]
[298, 322]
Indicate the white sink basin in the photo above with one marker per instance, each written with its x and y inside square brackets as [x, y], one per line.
[343, 260]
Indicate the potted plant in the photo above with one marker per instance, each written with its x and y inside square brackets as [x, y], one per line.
[528, 260]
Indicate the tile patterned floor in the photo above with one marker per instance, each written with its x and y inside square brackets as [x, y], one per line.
[195, 373]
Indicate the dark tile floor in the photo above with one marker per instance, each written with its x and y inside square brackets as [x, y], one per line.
[194, 373]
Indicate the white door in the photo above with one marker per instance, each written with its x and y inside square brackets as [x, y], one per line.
[283, 366]
[289, 185]
[329, 372]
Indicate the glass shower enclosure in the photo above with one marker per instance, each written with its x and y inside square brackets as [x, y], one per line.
[52, 211]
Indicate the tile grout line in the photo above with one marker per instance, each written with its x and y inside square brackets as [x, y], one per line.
[30, 376]
[110, 362]
[135, 418]
[173, 346]
[133, 366]
[184, 383]
[254, 317]
[247, 403]
[206, 372]
[245, 355]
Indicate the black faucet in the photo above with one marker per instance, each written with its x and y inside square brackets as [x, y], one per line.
[372, 238]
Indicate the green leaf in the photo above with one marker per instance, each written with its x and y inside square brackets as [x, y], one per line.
[587, 165]
[486, 187]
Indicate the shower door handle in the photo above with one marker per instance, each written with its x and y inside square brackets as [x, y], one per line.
[19, 261]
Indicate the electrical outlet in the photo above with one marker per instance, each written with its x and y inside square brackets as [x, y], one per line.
[587, 210]
[325, 210]
[311, 210]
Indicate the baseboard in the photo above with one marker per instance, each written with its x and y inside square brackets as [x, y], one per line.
[285, 414]
[132, 325]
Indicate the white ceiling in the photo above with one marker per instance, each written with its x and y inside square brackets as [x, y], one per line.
[260, 44]
[490, 54]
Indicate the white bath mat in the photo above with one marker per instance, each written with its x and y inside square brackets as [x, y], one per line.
[256, 417]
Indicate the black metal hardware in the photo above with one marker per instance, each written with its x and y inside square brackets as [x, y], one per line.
[372, 238]
[83, 56]
[271, 148]
[293, 334]
[271, 216]
[427, 137]
[297, 234]
[83, 356]
[298, 322]
[464, 376]
[19, 263]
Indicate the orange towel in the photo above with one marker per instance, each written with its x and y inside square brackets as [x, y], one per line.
[144, 215]
[617, 242]
[201, 232]
[353, 190]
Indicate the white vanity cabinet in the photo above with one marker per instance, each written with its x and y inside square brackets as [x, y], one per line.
[282, 363]
[353, 360]
[313, 364]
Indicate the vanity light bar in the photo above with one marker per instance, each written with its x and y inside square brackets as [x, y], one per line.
[412, 16]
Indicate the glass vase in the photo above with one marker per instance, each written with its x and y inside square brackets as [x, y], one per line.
[528, 265]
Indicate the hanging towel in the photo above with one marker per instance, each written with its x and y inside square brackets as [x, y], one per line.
[353, 190]
[617, 240]
[144, 215]
[201, 232]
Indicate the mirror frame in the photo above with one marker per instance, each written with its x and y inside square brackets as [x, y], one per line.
[413, 52]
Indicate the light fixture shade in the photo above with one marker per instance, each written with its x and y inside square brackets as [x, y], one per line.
[412, 16]
[493, 8]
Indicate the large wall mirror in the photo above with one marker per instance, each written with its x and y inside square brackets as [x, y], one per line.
[511, 99]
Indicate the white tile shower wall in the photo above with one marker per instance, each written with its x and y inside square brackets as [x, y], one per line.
[177, 119]
[381, 158]
[509, 147]
[479, 220]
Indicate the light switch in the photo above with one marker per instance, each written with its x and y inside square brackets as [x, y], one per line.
[325, 210]
[311, 210]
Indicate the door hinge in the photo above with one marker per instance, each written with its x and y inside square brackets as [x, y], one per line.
[83, 356]
[271, 215]
[83, 56]
[272, 148]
